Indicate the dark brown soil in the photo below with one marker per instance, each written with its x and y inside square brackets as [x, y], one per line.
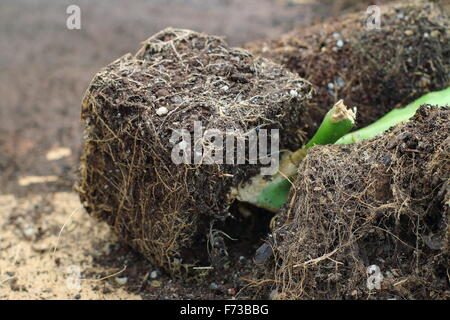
[374, 70]
[382, 202]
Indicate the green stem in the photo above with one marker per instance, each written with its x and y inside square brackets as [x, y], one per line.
[337, 122]
[396, 116]
[272, 193]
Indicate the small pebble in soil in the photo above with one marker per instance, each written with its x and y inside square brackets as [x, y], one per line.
[154, 274]
[213, 286]
[339, 43]
[29, 232]
[340, 83]
[155, 284]
[77, 296]
[435, 33]
[231, 291]
[177, 99]
[293, 93]
[162, 92]
[162, 111]
[121, 280]
[39, 247]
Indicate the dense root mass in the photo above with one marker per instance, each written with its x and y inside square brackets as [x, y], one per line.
[130, 111]
[382, 203]
[375, 70]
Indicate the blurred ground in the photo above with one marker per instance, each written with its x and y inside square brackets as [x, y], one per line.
[44, 70]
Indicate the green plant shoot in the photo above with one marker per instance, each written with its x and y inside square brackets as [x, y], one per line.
[272, 193]
[394, 117]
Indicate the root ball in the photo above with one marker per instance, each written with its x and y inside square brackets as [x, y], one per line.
[130, 111]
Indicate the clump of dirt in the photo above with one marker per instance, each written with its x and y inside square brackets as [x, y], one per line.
[375, 207]
[130, 111]
[375, 70]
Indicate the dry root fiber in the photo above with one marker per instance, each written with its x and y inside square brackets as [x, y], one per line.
[382, 202]
[130, 109]
[375, 70]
